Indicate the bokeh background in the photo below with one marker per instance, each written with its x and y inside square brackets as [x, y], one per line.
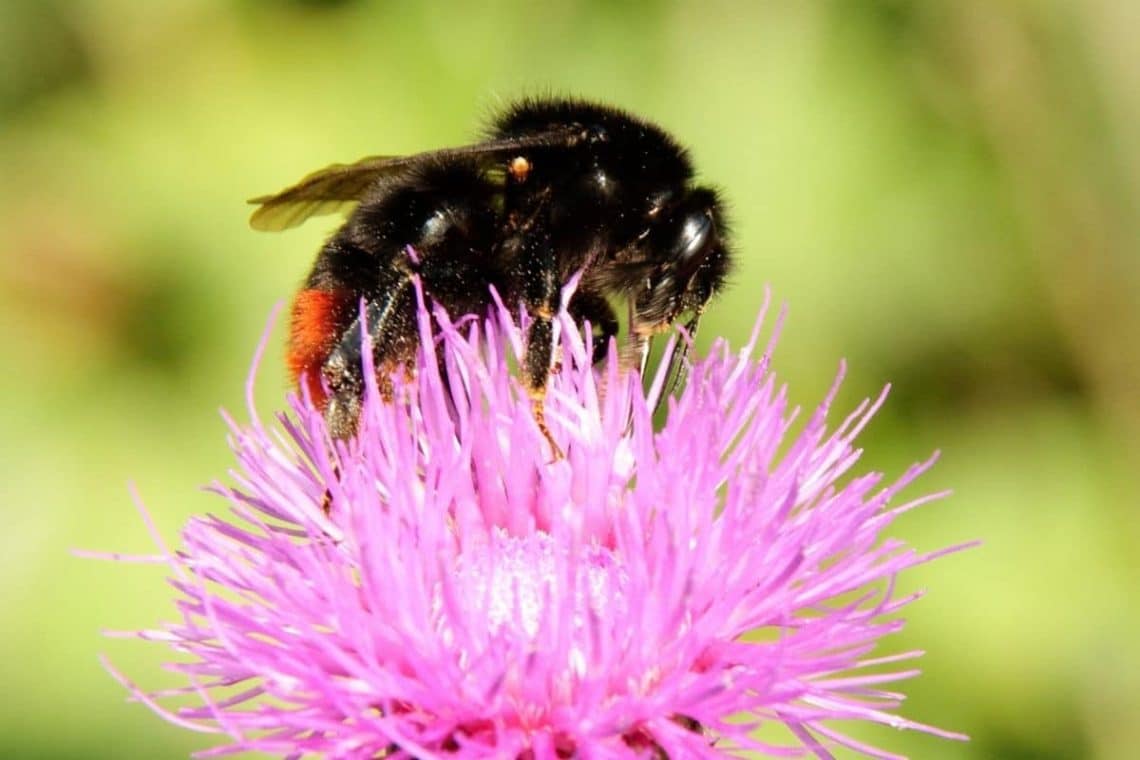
[945, 192]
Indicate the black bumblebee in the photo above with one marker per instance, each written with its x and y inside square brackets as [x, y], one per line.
[558, 187]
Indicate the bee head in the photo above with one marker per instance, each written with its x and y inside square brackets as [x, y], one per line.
[686, 240]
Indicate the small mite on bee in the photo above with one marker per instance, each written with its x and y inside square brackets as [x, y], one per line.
[519, 169]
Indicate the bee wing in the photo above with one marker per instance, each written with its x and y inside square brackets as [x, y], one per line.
[324, 191]
[339, 186]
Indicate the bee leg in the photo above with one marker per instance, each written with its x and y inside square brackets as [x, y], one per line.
[641, 341]
[391, 327]
[678, 362]
[391, 324]
[595, 308]
[538, 269]
[635, 351]
[536, 372]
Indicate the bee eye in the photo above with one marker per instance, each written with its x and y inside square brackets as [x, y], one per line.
[694, 234]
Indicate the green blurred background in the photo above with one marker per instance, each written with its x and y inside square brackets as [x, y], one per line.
[945, 193]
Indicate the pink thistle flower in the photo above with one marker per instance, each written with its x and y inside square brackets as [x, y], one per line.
[438, 587]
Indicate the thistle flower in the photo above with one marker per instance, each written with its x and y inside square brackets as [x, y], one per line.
[438, 586]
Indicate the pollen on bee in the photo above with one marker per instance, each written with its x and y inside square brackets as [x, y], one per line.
[519, 168]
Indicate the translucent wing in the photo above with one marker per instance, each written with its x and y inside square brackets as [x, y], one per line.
[325, 191]
[339, 186]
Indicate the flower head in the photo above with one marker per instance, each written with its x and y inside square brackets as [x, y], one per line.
[439, 586]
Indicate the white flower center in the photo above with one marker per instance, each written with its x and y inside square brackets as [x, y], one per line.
[510, 587]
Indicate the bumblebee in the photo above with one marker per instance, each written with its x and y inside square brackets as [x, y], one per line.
[558, 187]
